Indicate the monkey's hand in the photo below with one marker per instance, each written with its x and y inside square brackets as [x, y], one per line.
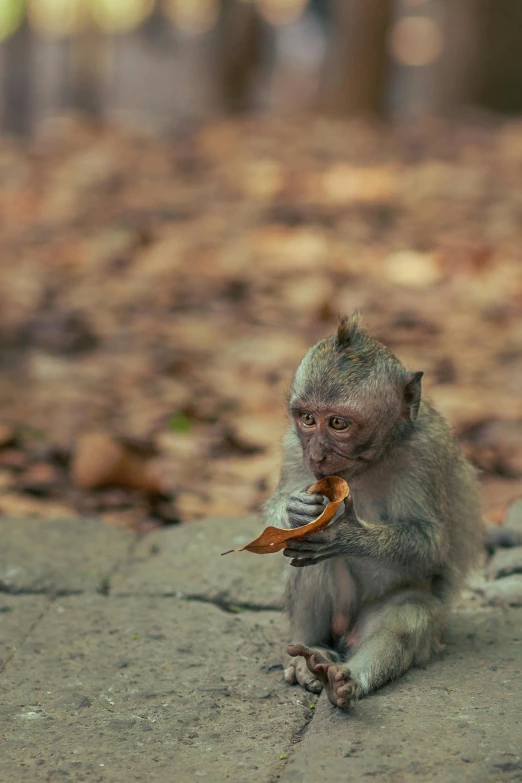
[332, 541]
[303, 508]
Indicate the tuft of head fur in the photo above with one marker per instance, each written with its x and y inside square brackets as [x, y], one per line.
[350, 330]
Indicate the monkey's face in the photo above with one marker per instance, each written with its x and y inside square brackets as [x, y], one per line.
[350, 403]
[334, 440]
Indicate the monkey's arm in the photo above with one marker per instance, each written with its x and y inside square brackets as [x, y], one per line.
[289, 506]
[410, 541]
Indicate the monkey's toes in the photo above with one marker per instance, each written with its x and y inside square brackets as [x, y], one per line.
[306, 678]
[298, 649]
[313, 685]
[311, 672]
[297, 671]
[289, 674]
[341, 687]
[313, 656]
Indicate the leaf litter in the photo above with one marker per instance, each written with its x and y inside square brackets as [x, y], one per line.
[160, 292]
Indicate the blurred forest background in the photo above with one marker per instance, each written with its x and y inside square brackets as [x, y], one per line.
[191, 190]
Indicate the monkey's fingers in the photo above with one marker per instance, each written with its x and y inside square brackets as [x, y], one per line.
[300, 519]
[294, 554]
[292, 551]
[310, 542]
[311, 553]
[302, 562]
[315, 500]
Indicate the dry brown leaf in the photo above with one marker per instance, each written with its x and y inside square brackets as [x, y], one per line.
[343, 183]
[39, 479]
[272, 539]
[411, 268]
[497, 495]
[7, 435]
[102, 461]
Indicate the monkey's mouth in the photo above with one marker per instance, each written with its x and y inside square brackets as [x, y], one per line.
[320, 474]
[324, 471]
[349, 466]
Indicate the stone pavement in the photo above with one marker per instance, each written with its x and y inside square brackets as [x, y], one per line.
[158, 660]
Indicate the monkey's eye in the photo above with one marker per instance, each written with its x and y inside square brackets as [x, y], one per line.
[307, 419]
[339, 424]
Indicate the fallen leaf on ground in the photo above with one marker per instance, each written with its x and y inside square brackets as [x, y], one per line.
[39, 479]
[102, 461]
[272, 539]
[13, 459]
[7, 435]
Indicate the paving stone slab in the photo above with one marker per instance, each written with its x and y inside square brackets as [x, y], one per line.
[18, 615]
[148, 689]
[505, 591]
[59, 555]
[458, 720]
[187, 559]
[505, 562]
[143, 685]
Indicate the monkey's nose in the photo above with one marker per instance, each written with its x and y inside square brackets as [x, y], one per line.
[316, 455]
[316, 464]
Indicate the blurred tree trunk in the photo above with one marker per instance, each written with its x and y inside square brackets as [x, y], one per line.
[500, 55]
[155, 27]
[356, 70]
[454, 78]
[17, 82]
[239, 43]
[447, 82]
[481, 62]
[87, 71]
[155, 21]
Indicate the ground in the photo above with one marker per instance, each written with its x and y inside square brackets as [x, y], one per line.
[130, 658]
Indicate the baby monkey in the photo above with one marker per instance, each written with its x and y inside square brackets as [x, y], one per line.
[369, 595]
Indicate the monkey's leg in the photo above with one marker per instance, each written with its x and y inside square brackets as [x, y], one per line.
[311, 601]
[402, 631]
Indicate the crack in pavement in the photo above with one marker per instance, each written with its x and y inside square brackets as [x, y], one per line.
[294, 742]
[5, 662]
[105, 585]
[52, 592]
[104, 588]
[221, 601]
[224, 603]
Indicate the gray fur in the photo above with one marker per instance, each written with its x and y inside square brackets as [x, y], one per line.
[393, 562]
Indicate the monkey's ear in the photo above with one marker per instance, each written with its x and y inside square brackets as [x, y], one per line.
[412, 394]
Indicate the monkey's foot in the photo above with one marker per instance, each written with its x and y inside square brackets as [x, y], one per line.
[296, 671]
[336, 678]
